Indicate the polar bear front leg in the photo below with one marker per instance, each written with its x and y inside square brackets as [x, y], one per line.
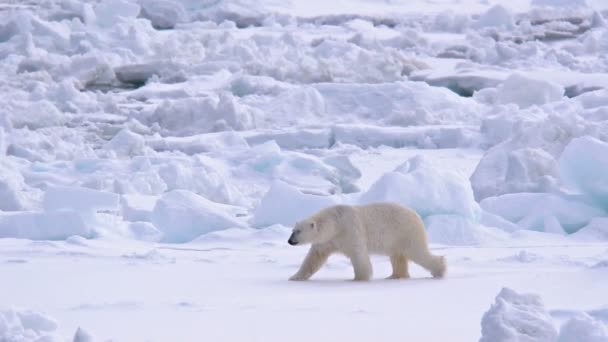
[362, 265]
[316, 257]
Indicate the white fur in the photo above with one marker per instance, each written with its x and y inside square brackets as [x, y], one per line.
[358, 231]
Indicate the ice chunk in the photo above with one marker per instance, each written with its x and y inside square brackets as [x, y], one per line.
[526, 91]
[137, 207]
[43, 226]
[26, 326]
[517, 317]
[164, 14]
[126, 143]
[523, 170]
[182, 215]
[199, 143]
[11, 188]
[526, 157]
[144, 231]
[82, 335]
[34, 114]
[427, 189]
[284, 204]
[202, 114]
[496, 16]
[110, 12]
[291, 139]
[534, 210]
[583, 328]
[203, 178]
[584, 166]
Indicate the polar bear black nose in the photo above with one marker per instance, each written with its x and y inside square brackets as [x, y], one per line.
[292, 241]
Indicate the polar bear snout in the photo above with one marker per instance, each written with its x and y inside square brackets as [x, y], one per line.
[293, 240]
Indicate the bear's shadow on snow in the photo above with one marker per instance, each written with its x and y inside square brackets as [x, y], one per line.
[373, 282]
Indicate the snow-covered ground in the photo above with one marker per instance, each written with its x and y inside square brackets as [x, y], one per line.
[155, 153]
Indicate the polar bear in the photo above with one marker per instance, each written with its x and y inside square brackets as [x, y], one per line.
[358, 231]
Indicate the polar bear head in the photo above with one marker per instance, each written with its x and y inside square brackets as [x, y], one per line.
[303, 232]
[311, 230]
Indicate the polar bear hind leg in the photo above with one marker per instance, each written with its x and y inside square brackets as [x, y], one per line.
[433, 263]
[400, 269]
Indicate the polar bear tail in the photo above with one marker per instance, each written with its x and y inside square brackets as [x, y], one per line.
[439, 267]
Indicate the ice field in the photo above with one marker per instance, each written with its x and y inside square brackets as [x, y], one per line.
[155, 155]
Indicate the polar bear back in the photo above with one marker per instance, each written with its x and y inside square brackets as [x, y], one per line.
[390, 227]
[385, 228]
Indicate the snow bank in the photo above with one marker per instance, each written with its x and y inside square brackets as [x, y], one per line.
[427, 189]
[182, 215]
[458, 230]
[43, 226]
[584, 167]
[285, 204]
[526, 91]
[27, 326]
[583, 328]
[540, 211]
[517, 317]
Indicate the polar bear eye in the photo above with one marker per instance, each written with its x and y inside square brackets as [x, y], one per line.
[312, 225]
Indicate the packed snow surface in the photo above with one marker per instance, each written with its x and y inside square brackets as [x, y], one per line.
[154, 155]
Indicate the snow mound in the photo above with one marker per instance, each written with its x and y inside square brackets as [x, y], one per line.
[43, 226]
[285, 204]
[526, 91]
[427, 189]
[26, 326]
[542, 212]
[182, 215]
[517, 317]
[583, 328]
[584, 167]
